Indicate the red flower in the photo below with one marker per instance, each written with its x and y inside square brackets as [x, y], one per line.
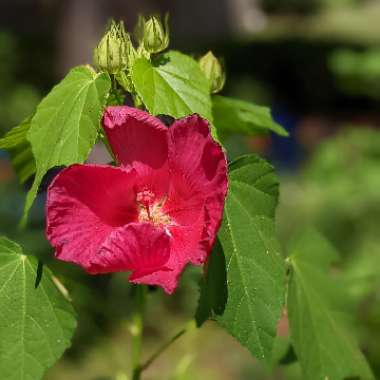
[155, 213]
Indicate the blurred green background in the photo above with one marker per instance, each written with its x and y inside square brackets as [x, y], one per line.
[316, 63]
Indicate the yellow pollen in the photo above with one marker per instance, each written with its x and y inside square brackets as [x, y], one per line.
[150, 211]
[153, 214]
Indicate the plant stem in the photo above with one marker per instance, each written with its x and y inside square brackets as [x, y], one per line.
[188, 327]
[136, 329]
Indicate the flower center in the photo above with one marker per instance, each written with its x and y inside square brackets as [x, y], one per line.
[149, 210]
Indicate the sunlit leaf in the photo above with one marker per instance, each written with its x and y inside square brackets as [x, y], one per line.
[173, 84]
[234, 116]
[244, 287]
[36, 322]
[66, 123]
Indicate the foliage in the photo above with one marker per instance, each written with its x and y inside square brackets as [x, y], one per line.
[172, 84]
[21, 152]
[66, 123]
[247, 306]
[320, 332]
[337, 191]
[233, 115]
[358, 73]
[245, 280]
[37, 322]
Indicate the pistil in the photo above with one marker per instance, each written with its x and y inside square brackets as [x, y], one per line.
[151, 211]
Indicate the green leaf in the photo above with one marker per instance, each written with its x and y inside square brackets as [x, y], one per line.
[16, 135]
[283, 353]
[318, 311]
[214, 291]
[244, 287]
[233, 116]
[36, 323]
[20, 150]
[361, 272]
[172, 85]
[66, 123]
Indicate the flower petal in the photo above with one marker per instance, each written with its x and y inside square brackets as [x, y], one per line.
[167, 278]
[198, 177]
[138, 247]
[198, 187]
[85, 204]
[187, 246]
[139, 140]
[92, 213]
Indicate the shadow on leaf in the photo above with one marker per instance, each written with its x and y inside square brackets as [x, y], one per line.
[214, 293]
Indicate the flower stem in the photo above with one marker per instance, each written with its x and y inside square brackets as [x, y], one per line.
[136, 329]
[188, 327]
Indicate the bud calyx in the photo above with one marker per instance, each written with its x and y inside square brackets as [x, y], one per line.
[114, 52]
[152, 34]
[213, 71]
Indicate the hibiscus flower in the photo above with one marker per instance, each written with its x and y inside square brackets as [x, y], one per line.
[156, 212]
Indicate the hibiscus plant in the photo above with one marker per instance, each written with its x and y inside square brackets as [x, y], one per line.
[167, 199]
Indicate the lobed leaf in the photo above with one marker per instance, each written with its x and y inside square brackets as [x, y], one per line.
[173, 84]
[66, 123]
[20, 150]
[319, 312]
[36, 322]
[233, 116]
[244, 287]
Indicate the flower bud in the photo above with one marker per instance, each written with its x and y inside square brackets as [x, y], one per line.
[213, 71]
[139, 29]
[114, 52]
[156, 35]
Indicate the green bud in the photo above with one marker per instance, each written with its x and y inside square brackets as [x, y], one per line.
[115, 51]
[156, 35]
[139, 29]
[213, 70]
